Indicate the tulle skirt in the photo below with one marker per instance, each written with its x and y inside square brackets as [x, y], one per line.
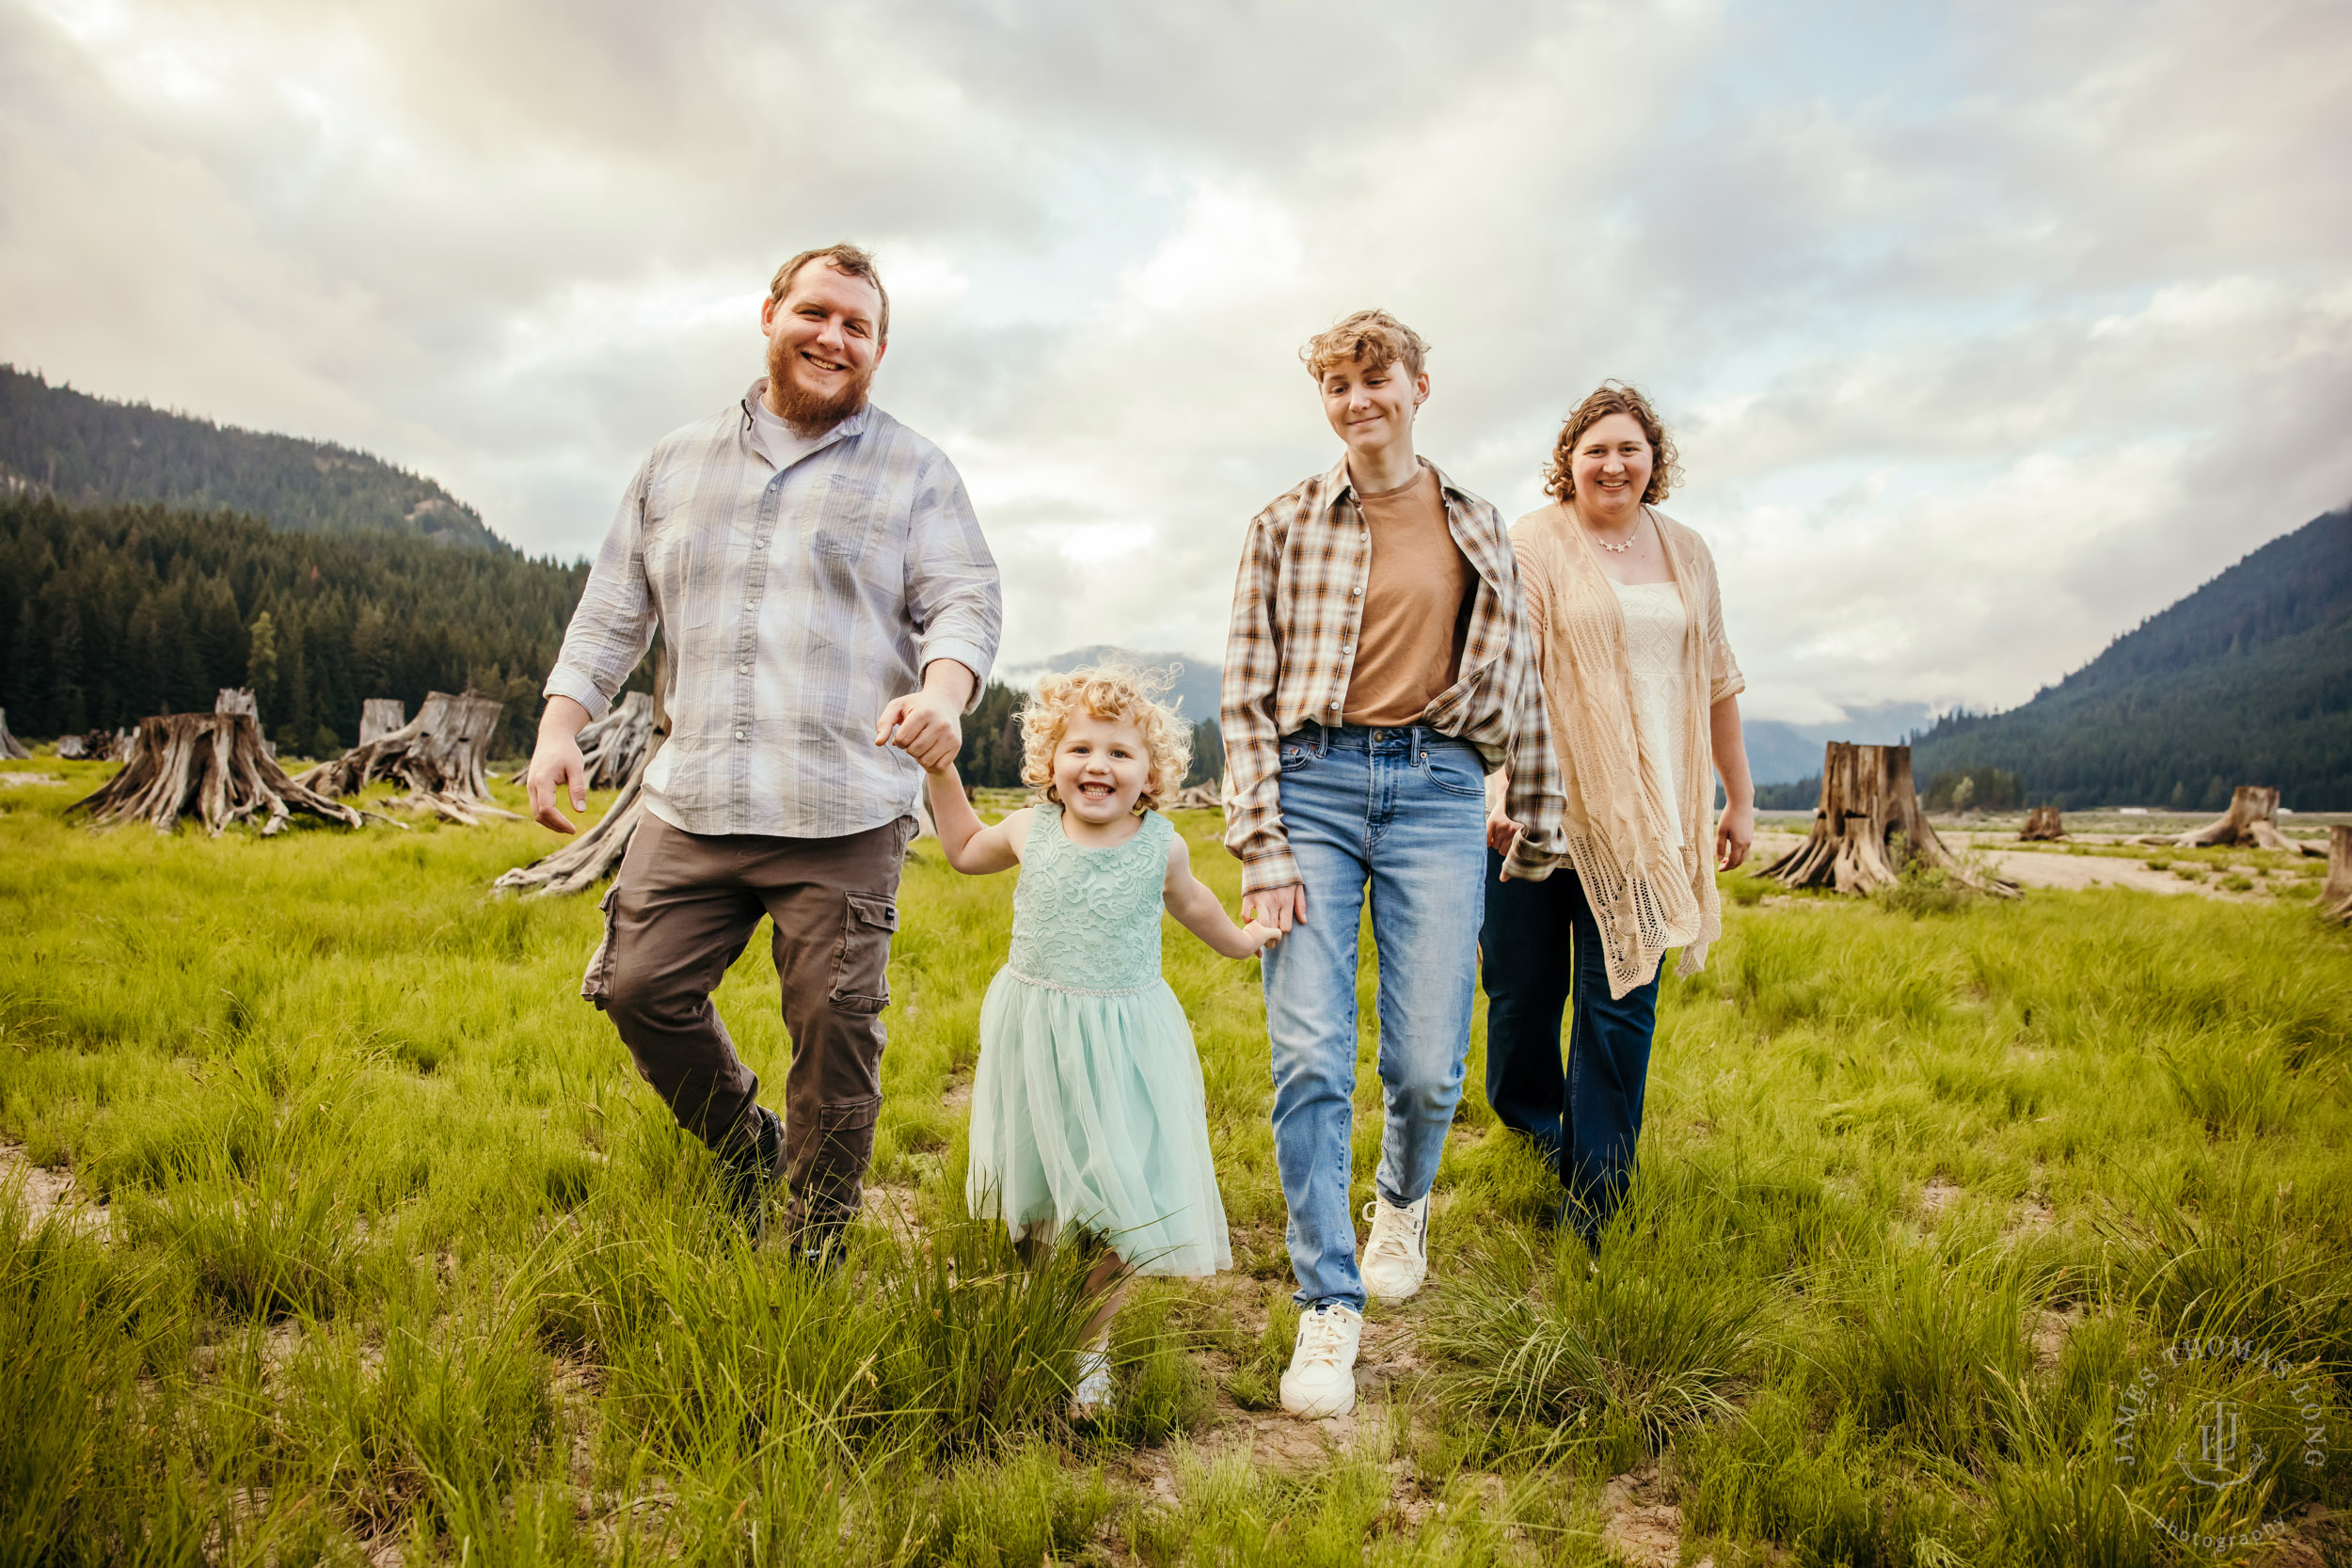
[1088, 1110]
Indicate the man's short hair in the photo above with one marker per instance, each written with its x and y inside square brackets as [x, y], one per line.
[1373, 339]
[846, 259]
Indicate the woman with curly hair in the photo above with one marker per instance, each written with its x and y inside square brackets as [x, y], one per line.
[1088, 1110]
[1642, 692]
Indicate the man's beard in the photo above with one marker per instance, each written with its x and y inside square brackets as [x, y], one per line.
[808, 412]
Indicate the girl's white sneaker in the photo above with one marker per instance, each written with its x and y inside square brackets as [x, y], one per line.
[1093, 1392]
[1396, 1257]
[1322, 1377]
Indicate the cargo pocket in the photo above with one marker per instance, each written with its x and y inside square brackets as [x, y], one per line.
[860, 970]
[596, 984]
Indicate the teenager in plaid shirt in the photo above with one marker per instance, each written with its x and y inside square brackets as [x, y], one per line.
[1378, 668]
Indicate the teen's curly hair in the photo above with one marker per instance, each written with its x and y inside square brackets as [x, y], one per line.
[1614, 396]
[1106, 691]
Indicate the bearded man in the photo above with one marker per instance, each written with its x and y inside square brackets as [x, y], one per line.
[831, 611]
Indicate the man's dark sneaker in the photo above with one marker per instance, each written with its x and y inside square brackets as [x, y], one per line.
[748, 1171]
[821, 1249]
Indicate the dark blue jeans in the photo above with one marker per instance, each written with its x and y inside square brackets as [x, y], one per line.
[1542, 955]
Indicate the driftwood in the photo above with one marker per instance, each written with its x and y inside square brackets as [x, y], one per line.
[2335, 894]
[11, 749]
[379, 716]
[440, 755]
[2042, 823]
[615, 745]
[2252, 822]
[1867, 801]
[208, 766]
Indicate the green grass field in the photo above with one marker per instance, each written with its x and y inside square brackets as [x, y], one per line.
[373, 1247]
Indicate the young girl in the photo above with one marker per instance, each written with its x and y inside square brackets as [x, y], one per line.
[1086, 1105]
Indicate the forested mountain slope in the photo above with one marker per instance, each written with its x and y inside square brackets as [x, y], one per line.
[2248, 680]
[89, 451]
[109, 614]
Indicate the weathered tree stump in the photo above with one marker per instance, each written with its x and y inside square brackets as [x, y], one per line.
[1867, 801]
[2041, 824]
[233, 699]
[615, 745]
[208, 766]
[11, 749]
[101, 746]
[2335, 894]
[442, 757]
[2251, 821]
[379, 716]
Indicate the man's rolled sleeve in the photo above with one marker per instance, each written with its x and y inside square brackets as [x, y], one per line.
[613, 626]
[1253, 665]
[953, 594]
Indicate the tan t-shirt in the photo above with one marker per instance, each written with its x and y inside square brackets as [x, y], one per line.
[1416, 603]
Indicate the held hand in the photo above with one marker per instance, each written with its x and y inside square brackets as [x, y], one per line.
[1279, 907]
[1734, 833]
[555, 764]
[925, 727]
[1501, 833]
[1255, 937]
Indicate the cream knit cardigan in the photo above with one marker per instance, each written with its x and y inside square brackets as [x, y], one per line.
[1646, 894]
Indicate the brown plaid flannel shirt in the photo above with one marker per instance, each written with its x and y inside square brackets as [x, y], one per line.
[1296, 608]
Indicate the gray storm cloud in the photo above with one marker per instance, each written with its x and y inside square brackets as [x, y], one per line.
[1987, 330]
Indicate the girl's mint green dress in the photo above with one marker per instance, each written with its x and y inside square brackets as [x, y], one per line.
[1086, 1106]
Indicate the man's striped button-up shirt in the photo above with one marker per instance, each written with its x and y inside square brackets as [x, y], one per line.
[796, 604]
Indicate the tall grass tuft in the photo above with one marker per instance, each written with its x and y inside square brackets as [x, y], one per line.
[1558, 1348]
[1932, 1348]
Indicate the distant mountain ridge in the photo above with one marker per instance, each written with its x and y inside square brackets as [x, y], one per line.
[95, 451]
[2247, 680]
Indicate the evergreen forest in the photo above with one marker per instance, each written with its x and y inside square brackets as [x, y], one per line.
[89, 451]
[111, 613]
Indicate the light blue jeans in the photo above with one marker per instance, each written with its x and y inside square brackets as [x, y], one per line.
[1401, 812]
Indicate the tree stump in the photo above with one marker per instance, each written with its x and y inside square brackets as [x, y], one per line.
[11, 749]
[236, 700]
[2252, 822]
[379, 716]
[616, 744]
[442, 757]
[1867, 801]
[208, 766]
[2335, 894]
[2041, 824]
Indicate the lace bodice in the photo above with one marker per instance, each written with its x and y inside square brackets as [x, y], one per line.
[1655, 628]
[1088, 920]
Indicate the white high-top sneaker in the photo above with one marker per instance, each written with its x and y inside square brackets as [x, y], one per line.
[1322, 1377]
[1396, 1256]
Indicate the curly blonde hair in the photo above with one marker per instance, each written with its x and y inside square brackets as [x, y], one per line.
[1614, 397]
[1105, 692]
[1373, 339]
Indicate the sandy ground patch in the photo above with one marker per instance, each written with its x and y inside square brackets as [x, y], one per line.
[2041, 868]
[46, 1192]
[31, 778]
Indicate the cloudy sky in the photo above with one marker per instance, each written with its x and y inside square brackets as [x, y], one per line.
[1986, 330]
